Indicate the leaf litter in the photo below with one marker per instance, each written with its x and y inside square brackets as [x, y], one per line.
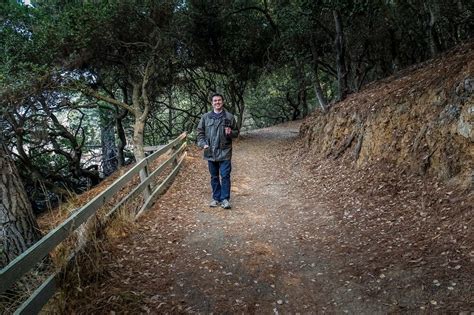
[302, 236]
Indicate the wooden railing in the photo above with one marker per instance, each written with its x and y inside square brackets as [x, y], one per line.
[36, 253]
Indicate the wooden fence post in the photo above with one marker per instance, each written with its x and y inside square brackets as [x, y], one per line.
[173, 151]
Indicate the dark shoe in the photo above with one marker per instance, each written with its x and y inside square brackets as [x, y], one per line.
[214, 203]
[225, 204]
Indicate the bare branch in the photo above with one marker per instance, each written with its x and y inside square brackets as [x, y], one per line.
[97, 95]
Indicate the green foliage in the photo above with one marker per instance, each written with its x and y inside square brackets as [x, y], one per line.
[266, 103]
[18, 52]
[265, 56]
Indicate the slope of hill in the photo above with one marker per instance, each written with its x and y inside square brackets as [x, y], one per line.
[395, 162]
[420, 119]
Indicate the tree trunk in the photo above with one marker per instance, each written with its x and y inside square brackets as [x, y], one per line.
[294, 106]
[340, 46]
[109, 149]
[394, 49]
[236, 92]
[301, 93]
[317, 83]
[435, 45]
[138, 131]
[122, 139]
[460, 26]
[241, 107]
[319, 91]
[170, 112]
[139, 152]
[304, 102]
[18, 227]
[140, 116]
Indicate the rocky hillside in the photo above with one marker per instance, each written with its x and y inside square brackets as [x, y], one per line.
[420, 119]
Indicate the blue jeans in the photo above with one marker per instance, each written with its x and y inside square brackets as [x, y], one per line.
[220, 186]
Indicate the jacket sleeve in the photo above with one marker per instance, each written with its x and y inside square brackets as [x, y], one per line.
[201, 133]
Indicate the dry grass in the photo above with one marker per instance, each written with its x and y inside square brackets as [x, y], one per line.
[23, 288]
[86, 243]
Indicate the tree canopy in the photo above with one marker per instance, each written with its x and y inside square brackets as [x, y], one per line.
[142, 71]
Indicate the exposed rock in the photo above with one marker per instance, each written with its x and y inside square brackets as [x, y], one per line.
[469, 85]
[466, 122]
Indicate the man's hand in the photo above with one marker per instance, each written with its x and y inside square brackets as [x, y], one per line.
[227, 131]
[205, 146]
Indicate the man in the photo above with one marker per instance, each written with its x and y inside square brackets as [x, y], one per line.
[214, 134]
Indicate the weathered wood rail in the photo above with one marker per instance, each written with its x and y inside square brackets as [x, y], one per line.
[36, 253]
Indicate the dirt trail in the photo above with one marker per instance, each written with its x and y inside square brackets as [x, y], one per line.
[252, 258]
[274, 252]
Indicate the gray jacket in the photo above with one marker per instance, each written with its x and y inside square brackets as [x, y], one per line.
[210, 131]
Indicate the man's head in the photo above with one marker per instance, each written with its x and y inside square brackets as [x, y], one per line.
[217, 101]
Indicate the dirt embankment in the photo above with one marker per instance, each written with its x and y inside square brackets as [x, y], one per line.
[395, 162]
[420, 119]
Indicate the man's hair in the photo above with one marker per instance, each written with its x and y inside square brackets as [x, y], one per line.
[216, 94]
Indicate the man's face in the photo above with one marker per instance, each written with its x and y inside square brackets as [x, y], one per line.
[217, 103]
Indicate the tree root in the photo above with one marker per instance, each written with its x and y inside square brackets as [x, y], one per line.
[346, 144]
[358, 147]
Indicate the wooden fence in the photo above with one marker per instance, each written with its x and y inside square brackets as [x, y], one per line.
[36, 253]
